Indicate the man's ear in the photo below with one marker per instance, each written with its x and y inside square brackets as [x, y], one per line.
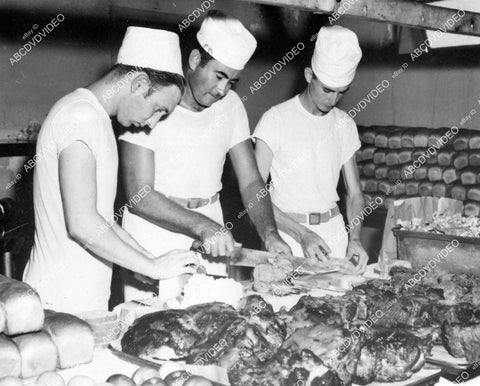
[141, 83]
[194, 59]
[308, 73]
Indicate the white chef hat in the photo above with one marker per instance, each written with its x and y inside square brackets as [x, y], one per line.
[227, 40]
[151, 48]
[336, 56]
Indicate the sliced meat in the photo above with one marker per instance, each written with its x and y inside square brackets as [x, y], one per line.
[462, 340]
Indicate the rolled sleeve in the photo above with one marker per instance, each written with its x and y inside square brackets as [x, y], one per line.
[267, 131]
[141, 139]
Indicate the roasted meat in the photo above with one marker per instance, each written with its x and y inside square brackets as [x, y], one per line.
[462, 340]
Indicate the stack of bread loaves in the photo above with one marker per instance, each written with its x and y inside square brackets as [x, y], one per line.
[32, 340]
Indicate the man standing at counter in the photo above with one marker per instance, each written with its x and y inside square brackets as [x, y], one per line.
[75, 178]
[304, 143]
[183, 156]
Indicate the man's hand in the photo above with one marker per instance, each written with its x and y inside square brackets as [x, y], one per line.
[275, 244]
[174, 263]
[217, 240]
[314, 247]
[355, 248]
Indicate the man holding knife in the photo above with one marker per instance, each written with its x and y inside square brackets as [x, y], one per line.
[75, 180]
[304, 144]
[183, 156]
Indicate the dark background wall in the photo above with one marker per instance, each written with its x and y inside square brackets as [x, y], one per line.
[436, 90]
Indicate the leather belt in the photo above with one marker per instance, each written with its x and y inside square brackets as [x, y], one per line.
[315, 218]
[194, 203]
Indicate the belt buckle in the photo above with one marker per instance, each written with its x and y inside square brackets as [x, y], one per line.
[193, 203]
[314, 218]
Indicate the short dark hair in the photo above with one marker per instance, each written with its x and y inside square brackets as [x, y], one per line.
[157, 78]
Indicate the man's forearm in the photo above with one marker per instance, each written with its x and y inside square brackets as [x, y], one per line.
[261, 213]
[288, 225]
[127, 238]
[161, 211]
[355, 206]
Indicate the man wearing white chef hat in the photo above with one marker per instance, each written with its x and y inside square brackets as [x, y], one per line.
[304, 144]
[184, 155]
[75, 180]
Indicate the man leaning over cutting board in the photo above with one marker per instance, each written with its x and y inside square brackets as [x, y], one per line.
[75, 178]
[184, 155]
[304, 143]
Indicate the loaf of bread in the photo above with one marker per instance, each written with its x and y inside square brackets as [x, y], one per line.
[471, 209]
[394, 174]
[369, 169]
[406, 172]
[411, 188]
[358, 155]
[433, 137]
[425, 188]
[367, 135]
[420, 138]
[391, 158]
[385, 187]
[474, 159]
[22, 305]
[381, 172]
[407, 138]
[381, 137]
[445, 157]
[450, 175]
[440, 189]
[435, 173]
[474, 141]
[395, 138]
[469, 177]
[379, 156]
[399, 189]
[460, 142]
[459, 192]
[420, 173]
[368, 152]
[405, 156]
[72, 336]
[460, 160]
[38, 353]
[473, 193]
[371, 186]
[10, 361]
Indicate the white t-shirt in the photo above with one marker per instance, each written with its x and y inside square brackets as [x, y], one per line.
[68, 277]
[190, 147]
[308, 154]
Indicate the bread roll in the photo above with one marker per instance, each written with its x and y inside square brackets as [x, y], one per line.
[450, 175]
[379, 156]
[381, 172]
[38, 353]
[473, 193]
[10, 361]
[474, 142]
[471, 209]
[425, 188]
[72, 336]
[474, 159]
[460, 160]
[411, 188]
[391, 158]
[368, 152]
[435, 173]
[445, 157]
[459, 192]
[22, 305]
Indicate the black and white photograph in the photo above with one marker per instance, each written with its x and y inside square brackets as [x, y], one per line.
[239, 192]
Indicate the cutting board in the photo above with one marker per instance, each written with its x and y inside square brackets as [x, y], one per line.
[333, 281]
